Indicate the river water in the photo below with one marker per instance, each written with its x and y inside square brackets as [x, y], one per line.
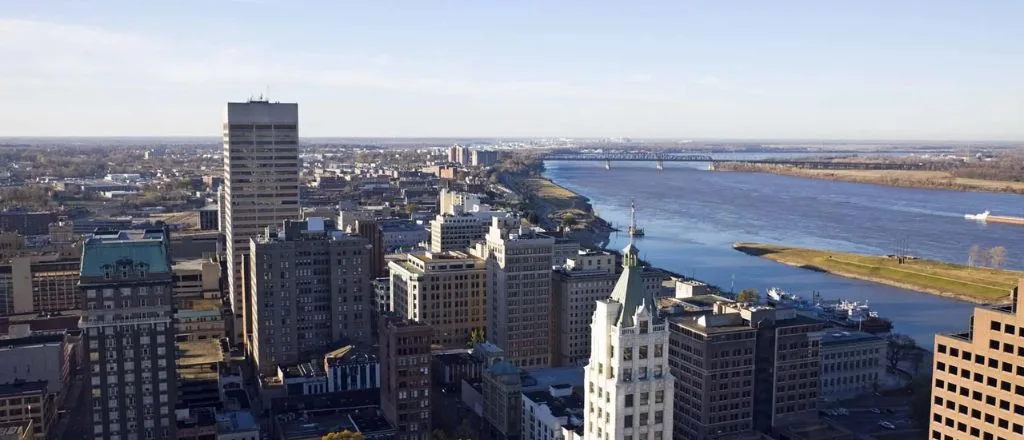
[692, 216]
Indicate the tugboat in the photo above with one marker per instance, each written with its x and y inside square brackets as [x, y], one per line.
[634, 230]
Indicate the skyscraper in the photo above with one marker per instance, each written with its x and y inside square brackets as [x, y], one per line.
[310, 291]
[126, 286]
[405, 376]
[978, 376]
[519, 290]
[629, 391]
[261, 182]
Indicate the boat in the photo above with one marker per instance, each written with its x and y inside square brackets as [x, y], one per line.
[780, 298]
[988, 217]
[979, 217]
[634, 230]
[859, 316]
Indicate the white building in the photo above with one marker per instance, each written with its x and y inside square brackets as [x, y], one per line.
[261, 182]
[545, 412]
[458, 232]
[629, 391]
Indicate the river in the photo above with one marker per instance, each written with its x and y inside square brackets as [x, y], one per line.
[692, 216]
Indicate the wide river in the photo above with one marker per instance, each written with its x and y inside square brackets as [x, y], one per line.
[692, 216]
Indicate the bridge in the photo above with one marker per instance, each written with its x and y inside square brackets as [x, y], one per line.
[661, 158]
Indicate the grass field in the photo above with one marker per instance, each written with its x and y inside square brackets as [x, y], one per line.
[558, 197]
[922, 177]
[972, 284]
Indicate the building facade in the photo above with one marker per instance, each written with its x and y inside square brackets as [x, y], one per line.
[629, 389]
[29, 401]
[39, 284]
[261, 183]
[405, 379]
[979, 377]
[546, 412]
[519, 288]
[352, 368]
[852, 363]
[447, 290]
[457, 232]
[126, 287]
[310, 292]
[576, 287]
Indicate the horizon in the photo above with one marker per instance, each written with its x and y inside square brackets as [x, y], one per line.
[792, 70]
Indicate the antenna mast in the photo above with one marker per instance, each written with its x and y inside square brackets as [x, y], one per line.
[632, 222]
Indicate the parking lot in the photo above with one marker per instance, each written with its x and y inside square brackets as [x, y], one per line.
[861, 418]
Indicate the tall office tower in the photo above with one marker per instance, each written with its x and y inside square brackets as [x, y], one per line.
[744, 368]
[447, 290]
[576, 287]
[519, 291]
[261, 183]
[629, 388]
[126, 286]
[310, 292]
[979, 377]
[405, 379]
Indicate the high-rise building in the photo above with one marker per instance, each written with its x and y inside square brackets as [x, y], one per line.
[310, 292]
[261, 183]
[483, 158]
[458, 232]
[740, 369]
[126, 286]
[629, 389]
[447, 290]
[39, 284]
[576, 287]
[519, 291]
[979, 377]
[405, 379]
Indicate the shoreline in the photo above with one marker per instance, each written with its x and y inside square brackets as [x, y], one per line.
[893, 178]
[928, 271]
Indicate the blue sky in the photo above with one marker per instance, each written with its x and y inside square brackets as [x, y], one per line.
[865, 69]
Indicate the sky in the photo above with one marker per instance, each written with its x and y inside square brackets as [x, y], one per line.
[758, 69]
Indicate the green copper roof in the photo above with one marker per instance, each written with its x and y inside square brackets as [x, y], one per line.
[630, 290]
[99, 253]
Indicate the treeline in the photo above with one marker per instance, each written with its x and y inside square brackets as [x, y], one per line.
[1003, 170]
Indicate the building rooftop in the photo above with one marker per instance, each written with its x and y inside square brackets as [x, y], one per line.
[547, 377]
[15, 430]
[352, 353]
[236, 421]
[368, 421]
[192, 264]
[199, 352]
[559, 406]
[22, 388]
[305, 369]
[103, 252]
[833, 338]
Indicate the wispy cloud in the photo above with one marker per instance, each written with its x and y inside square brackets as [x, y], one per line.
[47, 51]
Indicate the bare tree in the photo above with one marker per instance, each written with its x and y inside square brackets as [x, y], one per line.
[997, 256]
[898, 348]
[975, 257]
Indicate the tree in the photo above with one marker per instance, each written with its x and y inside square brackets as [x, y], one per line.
[996, 257]
[921, 399]
[748, 296]
[898, 347]
[477, 336]
[343, 435]
[975, 257]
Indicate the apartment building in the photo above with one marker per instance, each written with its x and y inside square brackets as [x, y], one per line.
[405, 379]
[457, 232]
[978, 389]
[447, 290]
[519, 264]
[261, 183]
[126, 287]
[310, 292]
[576, 287]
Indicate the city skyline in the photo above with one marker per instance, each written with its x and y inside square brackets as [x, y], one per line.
[795, 70]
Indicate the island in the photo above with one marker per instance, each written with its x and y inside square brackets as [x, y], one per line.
[980, 285]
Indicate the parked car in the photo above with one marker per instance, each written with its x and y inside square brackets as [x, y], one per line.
[876, 410]
[886, 425]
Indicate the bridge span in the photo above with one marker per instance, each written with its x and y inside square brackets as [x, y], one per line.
[660, 159]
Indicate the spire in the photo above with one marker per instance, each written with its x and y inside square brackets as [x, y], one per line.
[630, 290]
[630, 255]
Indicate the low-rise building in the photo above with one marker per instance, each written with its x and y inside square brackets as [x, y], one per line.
[47, 358]
[352, 368]
[547, 412]
[19, 430]
[304, 379]
[402, 234]
[237, 425]
[852, 363]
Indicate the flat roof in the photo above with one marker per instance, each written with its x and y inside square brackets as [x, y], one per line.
[846, 337]
[559, 406]
[190, 264]
[546, 377]
[22, 388]
[199, 352]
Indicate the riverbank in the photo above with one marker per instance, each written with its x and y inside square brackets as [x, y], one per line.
[901, 178]
[972, 284]
[558, 208]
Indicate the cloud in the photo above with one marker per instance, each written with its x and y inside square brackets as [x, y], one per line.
[48, 52]
[640, 78]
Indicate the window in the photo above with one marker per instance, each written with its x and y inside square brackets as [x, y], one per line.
[629, 400]
[996, 326]
[643, 419]
[659, 350]
[659, 417]
[643, 352]
[659, 396]
[628, 421]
